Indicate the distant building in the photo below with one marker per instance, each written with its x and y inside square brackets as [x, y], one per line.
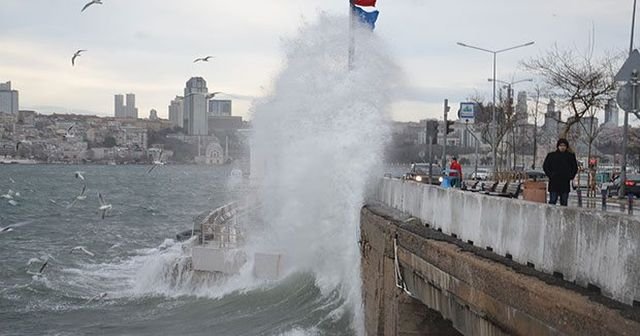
[225, 123]
[611, 113]
[522, 114]
[27, 117]
[131, 111]
[219, 108]
[176, 112]
[195, 107]
[119, 106]
[8, 99]
[153, 115]
[551, 120]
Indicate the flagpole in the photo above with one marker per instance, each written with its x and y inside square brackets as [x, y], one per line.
[352, 42]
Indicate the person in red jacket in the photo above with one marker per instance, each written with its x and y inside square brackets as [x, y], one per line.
[455, 172]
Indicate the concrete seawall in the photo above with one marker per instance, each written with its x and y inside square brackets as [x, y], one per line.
[588, 247]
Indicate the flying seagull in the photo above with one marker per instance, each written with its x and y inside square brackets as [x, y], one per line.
[203, 59]
[76, 54]
[78, 174]
[92, 2]
[11, 227]
[104, 207]
[213, 94]
[97, 297]
[83, 249]
[80, 197]
[156, 163]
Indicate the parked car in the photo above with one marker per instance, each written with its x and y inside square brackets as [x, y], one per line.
[632, 185]
[482, 174]
[420, 173]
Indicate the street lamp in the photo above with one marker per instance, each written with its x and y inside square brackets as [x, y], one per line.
[493, 107]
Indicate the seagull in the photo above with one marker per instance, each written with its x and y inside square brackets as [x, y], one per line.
[45, 262]
[80, 197]
[7, 196]
[156, 163]
[11, 227]
[76, 54]
[83, 249]
[12, 180]
[79, 175]
[12, 202]
[97, 297]
[67, 134]
[93, 2]
[104, 207]
[203, 59]
[213, 94]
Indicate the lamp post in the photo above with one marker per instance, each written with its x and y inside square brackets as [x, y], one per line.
[625, 129]
[493, 107]
[508, 86]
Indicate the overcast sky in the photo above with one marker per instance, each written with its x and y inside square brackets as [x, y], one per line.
[147, 47]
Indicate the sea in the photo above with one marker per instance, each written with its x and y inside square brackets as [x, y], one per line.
[135, 255]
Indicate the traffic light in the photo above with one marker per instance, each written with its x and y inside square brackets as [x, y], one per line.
[448, 126]
[432, 131]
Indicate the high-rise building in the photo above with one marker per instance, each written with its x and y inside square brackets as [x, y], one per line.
[176, 112]
[153, 115]
[195, 107]
[219, 108]
[521, 109]
[552, 119]
[131, 111]
[8, 99]
[611, 113]
[119, 106]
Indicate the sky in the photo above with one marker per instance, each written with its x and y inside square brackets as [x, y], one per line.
[147, 47]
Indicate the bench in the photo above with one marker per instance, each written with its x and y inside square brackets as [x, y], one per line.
[513, 190]
[469, 184]
[498, 189]
[494, 187]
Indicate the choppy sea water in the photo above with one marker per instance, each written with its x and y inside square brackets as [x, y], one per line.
[134, 260]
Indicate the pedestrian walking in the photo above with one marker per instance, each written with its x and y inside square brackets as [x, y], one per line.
[560, 167]
[455, 173]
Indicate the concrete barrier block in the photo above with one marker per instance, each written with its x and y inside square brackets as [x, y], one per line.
[629, 250]
[491, 223]
[528, 243]
[561, 241]
[598, 254]
[268, 266]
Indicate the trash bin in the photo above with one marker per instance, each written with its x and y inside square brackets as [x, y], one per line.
[535, 191]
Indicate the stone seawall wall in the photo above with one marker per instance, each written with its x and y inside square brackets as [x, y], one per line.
[589, 247]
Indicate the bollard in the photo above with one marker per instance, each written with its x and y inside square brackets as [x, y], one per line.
[604, 199]
[630, 204]
[579, 197]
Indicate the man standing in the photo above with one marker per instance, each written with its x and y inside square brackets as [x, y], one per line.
[455, 172]
[560, 167]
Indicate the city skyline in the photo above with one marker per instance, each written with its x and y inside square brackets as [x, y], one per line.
[154, 60]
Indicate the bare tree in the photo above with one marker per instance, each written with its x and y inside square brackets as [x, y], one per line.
[505, 120]
[581, 82]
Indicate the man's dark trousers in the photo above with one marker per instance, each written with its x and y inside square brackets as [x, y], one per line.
[553, 198]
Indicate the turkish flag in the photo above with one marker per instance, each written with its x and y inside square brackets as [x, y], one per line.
[365, 3]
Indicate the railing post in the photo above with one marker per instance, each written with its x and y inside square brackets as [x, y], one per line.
[630, 203]
[603, 192]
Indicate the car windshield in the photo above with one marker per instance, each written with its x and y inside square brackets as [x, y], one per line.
[633, 177]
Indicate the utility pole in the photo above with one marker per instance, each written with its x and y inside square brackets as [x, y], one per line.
[444, 141]
[625, 129]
